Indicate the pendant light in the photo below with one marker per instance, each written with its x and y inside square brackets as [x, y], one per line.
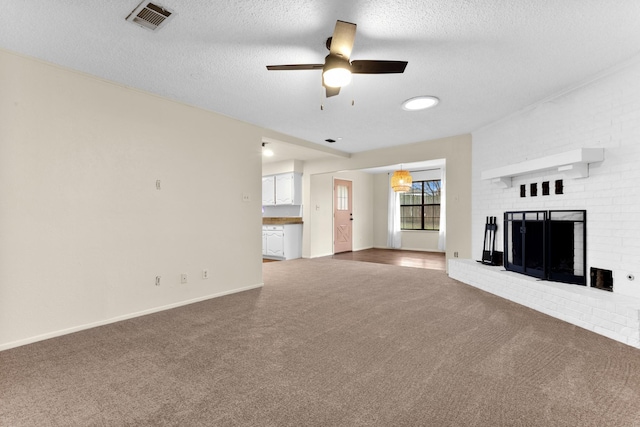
[401, 181]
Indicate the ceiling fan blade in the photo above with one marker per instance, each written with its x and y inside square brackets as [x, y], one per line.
[295, 67]
[331, 91]
[378, 67]
[342, 40]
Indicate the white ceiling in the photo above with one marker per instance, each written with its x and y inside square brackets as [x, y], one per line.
[484, 59]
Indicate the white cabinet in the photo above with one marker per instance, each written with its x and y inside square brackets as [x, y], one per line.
[282, 189]
[282, 241]
[274, 242]
[268, 190]
[286, 189]
[264, 241]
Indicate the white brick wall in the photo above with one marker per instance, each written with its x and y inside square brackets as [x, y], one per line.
[605, 113]
[605, 313]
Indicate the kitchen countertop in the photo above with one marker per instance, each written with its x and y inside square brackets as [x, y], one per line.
[281, 220]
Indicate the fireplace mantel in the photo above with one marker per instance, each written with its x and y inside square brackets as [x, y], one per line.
[573, 164]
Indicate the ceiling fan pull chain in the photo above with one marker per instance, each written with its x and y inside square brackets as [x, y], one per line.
[352, 89]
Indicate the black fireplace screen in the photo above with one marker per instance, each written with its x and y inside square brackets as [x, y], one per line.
[549, 245]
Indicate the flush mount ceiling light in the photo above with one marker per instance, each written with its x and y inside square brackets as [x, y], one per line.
[420, 103]
[401, 181]
[267, 152]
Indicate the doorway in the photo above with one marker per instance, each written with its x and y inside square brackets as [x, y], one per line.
[342, 216]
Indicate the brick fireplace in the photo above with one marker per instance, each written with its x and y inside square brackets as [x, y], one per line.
[587, 137]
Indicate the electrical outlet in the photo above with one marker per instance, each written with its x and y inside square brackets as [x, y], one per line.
[183, 278]
[455, 254]
[246, 197]
[158, 280]
[205, 274]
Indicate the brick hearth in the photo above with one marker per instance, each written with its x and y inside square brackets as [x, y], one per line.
[605, 313]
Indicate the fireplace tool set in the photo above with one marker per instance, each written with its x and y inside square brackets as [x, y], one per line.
[489, 254]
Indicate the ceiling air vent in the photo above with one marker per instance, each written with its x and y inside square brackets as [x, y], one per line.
[150, 16]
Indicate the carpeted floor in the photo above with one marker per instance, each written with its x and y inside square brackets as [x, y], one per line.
[329, 343]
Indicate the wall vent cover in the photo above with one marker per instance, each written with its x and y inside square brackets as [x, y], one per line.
[150, 16]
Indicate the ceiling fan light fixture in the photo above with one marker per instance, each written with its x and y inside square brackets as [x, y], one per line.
[420, 103]
[336, 71]
[338, 67]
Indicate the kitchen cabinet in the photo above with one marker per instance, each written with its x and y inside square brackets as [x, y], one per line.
[274, 241]
[264, 241]
[282, 189]
[268, 190]
[288, 189]
[282, 241]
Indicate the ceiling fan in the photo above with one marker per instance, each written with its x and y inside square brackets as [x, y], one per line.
[338, 68]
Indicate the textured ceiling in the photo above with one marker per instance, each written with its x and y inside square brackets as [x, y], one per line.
[484, 59]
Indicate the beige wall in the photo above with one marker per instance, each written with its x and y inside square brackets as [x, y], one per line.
[380, 203]
[83, 230]
[320, 208]
[362, 208]
[457, 153]
[283, 167]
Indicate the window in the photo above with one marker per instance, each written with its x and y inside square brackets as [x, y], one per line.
[420, 206]
[343, 198]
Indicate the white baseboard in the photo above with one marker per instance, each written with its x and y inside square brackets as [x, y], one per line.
[321, 255]
[54, 334]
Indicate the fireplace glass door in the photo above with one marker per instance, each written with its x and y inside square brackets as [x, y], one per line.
[550, 245]
[567, 243]
[524, 241]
